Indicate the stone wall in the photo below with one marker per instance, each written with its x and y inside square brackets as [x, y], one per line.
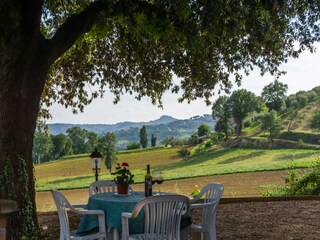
[6, 207]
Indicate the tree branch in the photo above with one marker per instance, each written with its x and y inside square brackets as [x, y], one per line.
[75, 26]
[81, 23]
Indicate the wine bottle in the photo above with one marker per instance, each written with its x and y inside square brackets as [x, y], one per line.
[148, 183]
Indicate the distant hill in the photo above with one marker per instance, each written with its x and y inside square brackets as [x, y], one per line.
[57, 128]
[165, 126]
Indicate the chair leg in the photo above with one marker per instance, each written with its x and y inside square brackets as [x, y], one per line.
[212, 235]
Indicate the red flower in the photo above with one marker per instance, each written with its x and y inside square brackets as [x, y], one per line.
[124, 164]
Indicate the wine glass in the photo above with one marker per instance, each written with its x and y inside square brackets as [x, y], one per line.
[159, 180]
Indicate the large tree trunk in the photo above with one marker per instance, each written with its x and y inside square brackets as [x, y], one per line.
[24, 66]
[20, 104]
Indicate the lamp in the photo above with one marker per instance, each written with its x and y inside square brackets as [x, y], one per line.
[96, 162]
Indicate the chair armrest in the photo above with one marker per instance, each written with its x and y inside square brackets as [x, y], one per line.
[125, 224]
[80, 205]
[192, 200]
[201, 205]
[126, 215]
[91, 212]
[100, 215]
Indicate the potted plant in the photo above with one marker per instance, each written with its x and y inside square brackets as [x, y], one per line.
[123, 177]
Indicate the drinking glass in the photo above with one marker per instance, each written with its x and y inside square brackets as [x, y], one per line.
[159, 180]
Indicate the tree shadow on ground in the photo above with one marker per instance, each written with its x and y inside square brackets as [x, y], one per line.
[200, 158]
[242, 157]
[296, 156]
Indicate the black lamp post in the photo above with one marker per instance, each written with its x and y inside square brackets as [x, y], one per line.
[96, 162]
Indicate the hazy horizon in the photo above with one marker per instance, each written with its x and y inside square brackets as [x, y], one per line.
[302, 75]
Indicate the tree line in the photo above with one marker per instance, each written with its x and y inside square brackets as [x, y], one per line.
[47, 147]
[273, 109]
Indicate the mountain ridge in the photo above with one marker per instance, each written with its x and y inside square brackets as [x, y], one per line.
[100, 128]
[165, 126]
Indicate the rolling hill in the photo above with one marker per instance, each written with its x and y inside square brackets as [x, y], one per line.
[165, 126]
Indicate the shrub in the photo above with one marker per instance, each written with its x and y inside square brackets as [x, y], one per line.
[247, 123]
[208, 144]
[296, 136]
[217, 137]
[298, 184]
[133, 145]
[184, 152]
[195, 191]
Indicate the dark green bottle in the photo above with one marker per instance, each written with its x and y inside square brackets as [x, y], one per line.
[148, 183]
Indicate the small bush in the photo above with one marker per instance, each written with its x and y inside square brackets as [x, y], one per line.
[247, 123]
[298, 184]
[208, 144]
[184, 152]
[133, 145]
[195, 191]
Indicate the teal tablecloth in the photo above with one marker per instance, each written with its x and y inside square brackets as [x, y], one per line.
[114, 205]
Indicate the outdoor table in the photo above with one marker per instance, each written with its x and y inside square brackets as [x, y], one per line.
[114, 205]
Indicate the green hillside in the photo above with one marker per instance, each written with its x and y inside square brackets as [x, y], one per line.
[305, 104]
[77, 173]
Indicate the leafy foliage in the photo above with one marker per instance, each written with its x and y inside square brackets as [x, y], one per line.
[123, 175]
[42, 147]
[153, 140]
[204, 130]
[274, 94]
[143, 137]
[242, 102]
[315, 121]
[203, 43]
[109, 150]
[272, 123]
[133, 145]
[184, 152]
[298, 184]
[221, 112]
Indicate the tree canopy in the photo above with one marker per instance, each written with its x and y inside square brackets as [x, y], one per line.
[274, 94]
[128, 45]
[71, 52]
[143, 137]
[242, 102]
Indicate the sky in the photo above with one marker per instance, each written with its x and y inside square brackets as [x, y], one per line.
[302, 74]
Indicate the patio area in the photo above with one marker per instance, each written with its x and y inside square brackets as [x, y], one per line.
[250, 220]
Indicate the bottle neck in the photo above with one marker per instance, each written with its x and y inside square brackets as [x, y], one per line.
[148, 169]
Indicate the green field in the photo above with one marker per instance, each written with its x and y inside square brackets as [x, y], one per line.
[76, 173]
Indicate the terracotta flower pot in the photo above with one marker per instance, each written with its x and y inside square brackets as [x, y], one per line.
[122, 189]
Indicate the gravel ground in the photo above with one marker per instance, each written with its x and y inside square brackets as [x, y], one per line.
[273, 220]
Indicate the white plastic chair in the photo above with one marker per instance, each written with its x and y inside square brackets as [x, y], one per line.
[62, 205]
[103, 186]
[162, 217]
[212, 194]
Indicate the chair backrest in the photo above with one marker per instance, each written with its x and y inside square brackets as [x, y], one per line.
[102, 186]
[211, 194]
[62, 205]
[162, 215]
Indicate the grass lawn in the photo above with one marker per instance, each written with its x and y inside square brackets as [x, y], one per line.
[77, 173]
